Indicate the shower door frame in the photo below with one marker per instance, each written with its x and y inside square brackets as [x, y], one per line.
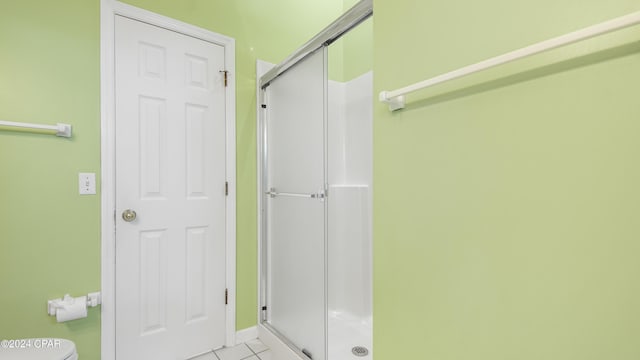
[349, 20]
[263, 211]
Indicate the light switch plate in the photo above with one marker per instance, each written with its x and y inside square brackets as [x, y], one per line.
[87, 183]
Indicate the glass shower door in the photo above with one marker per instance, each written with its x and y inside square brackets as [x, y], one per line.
[294, 194]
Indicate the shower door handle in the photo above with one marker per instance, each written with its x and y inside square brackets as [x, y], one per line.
[273, 193]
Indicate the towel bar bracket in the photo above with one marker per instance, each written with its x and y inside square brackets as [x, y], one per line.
[64, 130]
[395, 103]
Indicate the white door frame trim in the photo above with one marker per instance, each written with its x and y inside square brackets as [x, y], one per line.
[108, 10]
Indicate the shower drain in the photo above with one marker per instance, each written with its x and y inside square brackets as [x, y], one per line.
[360, 351]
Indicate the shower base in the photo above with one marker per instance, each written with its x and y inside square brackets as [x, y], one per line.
[347, 331]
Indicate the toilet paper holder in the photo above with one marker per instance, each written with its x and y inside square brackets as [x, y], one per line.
[93, 299]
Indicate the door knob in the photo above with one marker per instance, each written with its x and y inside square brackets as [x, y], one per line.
[129, 215]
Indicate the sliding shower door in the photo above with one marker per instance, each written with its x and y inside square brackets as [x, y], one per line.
[295, 206]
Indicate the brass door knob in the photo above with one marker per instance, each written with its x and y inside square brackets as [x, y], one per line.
[129, 215]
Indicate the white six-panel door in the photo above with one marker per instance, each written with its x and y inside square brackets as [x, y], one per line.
[170, 170]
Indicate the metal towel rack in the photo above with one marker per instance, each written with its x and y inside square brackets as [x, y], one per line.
[62, 130]
[396, 101]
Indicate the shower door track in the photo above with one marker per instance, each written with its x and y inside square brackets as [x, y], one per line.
[285, 340]
[349, 20]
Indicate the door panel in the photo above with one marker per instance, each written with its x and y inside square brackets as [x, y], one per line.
[170, 161]
[295, 127]
[296, 304]
[297, 298]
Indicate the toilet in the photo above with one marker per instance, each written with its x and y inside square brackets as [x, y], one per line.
[38, 349]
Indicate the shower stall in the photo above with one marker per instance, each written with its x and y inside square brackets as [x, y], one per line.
[315, 170]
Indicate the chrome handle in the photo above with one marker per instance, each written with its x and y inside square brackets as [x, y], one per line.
[273, 193]
[129, 215]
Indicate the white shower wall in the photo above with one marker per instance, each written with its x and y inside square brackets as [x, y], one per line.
[351, 131]
[350, 159]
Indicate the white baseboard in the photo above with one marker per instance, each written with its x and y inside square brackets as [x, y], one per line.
[247, 334]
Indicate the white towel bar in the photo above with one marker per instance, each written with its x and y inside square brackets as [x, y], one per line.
[395, 99]
[63, 130]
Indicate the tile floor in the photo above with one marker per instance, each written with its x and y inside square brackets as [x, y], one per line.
[251, 350]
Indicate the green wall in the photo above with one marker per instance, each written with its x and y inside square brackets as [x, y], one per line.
[352, 54]
[506, 217]
[50, 72]
[49, 235]
[507, 203]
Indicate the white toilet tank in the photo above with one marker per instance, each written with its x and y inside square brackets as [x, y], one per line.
[38, 349]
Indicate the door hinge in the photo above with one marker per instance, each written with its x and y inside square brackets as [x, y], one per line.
[226, 188]
[226, 296]
[226, 77]
[264, 106]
